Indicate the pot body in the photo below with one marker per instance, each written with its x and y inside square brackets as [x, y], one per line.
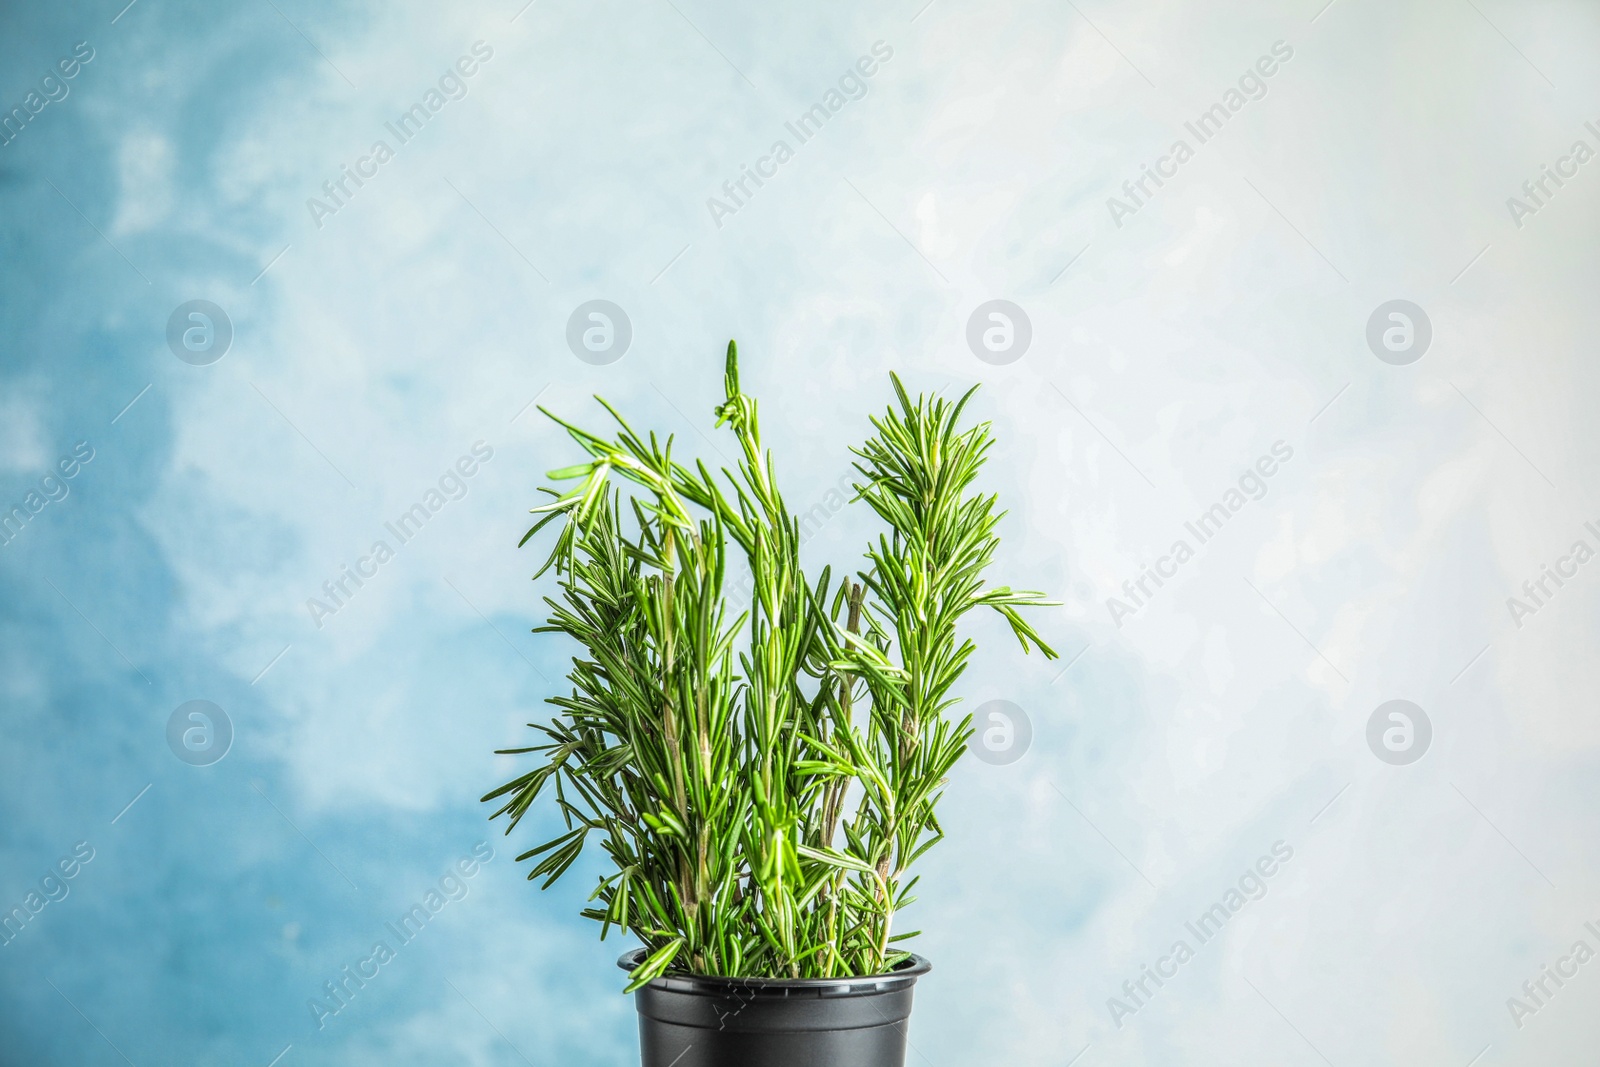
[699, 1021]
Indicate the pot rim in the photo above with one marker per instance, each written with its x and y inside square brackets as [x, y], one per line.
[902, 977]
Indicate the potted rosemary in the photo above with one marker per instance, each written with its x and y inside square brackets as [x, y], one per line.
[762, 775]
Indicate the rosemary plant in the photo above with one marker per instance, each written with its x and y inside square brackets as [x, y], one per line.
[762, 781]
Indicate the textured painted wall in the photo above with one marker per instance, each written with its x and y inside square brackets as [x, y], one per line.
[281, 281]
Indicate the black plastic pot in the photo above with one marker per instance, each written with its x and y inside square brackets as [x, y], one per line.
[698, 1021]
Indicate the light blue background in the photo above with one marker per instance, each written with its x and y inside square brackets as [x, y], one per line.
[1168, 353]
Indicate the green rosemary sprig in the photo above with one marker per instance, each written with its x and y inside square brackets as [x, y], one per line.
[713, 756]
